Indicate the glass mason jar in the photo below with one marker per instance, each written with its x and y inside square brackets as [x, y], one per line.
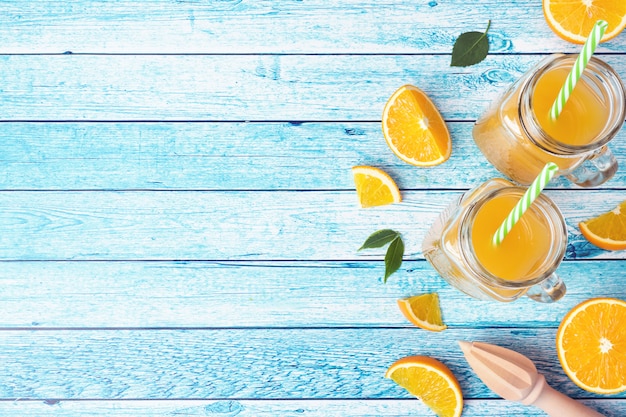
[448, 246]
[516, 142]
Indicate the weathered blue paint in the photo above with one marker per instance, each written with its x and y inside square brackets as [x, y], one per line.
[236, 26]
[270, 408]
[236, 88]
[302, 294]
[178, 226]
[245, 225]
[257, 363]
[229, 156]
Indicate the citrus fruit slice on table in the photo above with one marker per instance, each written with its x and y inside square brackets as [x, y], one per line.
[431, 381]
[591, 345]
[423, 311]
[414, 129]
[608, 230]
[572, 20]
[375, 187]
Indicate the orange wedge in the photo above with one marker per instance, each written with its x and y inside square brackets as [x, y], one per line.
[608, 230]
[431, 381]
[591, 344]
[375, 187]
[572, 20]
[423, 311]
[414, 128]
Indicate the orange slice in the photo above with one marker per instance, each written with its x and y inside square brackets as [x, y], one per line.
[572, 20]
[375, 187]
[414, 128]
[431, 381]
[608, 230]
[591, 344]
[423, 311]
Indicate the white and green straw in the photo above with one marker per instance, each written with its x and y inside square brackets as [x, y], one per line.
[527, 199]
[579, 66]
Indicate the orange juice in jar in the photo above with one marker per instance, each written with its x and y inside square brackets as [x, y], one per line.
[459, 245]
[518, 137]
[522, 251]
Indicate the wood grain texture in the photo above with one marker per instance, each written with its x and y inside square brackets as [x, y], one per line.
[236, 26]
[177, 215]
[175, 225]
[230, 156]
[244, 364]
[42, 295]
[272, 408]
[246, 87]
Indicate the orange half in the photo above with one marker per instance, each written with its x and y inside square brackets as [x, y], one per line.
[608, 230]
[591, 345]
[431, 381]
[374, 187]
[573, 20]
[423, 311]
[414, 129]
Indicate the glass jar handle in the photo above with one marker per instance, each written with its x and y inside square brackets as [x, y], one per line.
[550, 290]
[597, 169]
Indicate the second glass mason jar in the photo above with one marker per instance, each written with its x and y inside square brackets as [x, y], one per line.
[517, 137]
[459, 245]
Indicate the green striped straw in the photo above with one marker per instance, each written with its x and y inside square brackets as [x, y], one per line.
[527, 199]
[579, 66]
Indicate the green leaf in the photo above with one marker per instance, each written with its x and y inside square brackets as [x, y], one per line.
[393, 258]
[379, 239]
[470, 48]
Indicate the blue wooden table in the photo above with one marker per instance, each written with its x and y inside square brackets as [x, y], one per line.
[178, 222]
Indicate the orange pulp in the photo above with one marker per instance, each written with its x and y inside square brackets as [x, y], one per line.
[523, 249]
[584, 114]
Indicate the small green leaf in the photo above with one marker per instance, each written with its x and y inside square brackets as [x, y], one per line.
[379, 239]
[393, 258]
[470, 48]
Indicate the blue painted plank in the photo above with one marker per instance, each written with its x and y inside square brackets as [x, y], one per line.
[229, 156]
[235, 26]
[175, 225]
[232, 363]
[273, 408]
[247, 364]
[43, 295]
[245, 87]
